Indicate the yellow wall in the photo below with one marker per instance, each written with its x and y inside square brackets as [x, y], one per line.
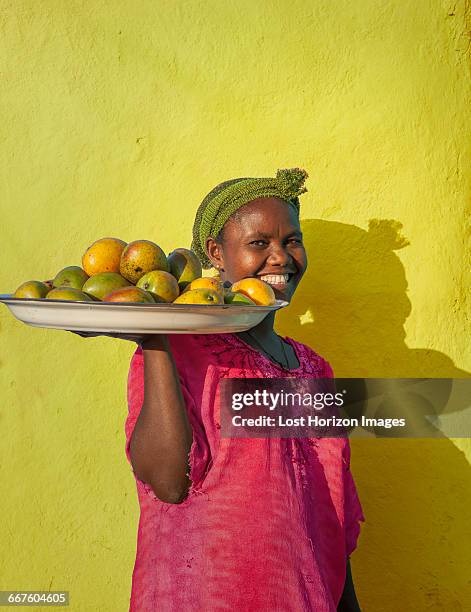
[117, 118]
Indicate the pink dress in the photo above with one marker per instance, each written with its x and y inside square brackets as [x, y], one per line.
[267, 524]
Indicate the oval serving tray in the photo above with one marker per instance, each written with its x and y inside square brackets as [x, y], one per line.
[135, 318]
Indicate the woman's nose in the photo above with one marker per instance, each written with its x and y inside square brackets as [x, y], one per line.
[279, 255]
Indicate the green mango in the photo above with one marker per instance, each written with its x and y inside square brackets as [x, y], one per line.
[32, 289]
[68, 293]
[185, 266]
[72, 276]
[104, 283]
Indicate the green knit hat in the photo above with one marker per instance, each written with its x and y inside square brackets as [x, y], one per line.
[227, 197]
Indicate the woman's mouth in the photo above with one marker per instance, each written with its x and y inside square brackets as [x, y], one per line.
[277, 281]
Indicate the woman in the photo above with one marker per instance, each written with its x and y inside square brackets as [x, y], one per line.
[237, 524]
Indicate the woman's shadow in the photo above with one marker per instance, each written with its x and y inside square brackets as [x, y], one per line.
[351, 307]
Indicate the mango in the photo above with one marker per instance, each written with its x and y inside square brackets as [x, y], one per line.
[68, 293]
[32, 289]
[104, 255]
[104, 283]
[185, 266]
[72, 276]
[238, 299]
[140, 257]
[257, 290]
[129, 294]
[200, 296]
[206, 282]
[161, 285]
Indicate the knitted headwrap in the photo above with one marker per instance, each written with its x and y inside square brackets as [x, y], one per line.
[227, 197]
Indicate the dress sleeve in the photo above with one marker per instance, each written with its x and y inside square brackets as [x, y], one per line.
[353, 511]
[199, 456]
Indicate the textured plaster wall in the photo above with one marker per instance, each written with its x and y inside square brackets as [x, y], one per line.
[117, 118]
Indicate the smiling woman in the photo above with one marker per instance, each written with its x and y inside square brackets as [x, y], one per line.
[263, 241]
[256, 524]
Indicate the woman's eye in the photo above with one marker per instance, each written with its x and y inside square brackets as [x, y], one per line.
[263, 242]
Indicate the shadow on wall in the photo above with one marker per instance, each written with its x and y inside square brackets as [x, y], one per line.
[352, 303]
[351, 308]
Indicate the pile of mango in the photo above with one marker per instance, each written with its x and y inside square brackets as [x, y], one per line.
[115, 271]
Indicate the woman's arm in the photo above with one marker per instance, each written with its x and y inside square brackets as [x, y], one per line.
[162, 437]
[348, 602]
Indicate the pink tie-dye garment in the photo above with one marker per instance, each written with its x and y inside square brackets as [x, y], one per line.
[268, 523]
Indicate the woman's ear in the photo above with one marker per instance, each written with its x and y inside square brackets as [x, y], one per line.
[214, 251]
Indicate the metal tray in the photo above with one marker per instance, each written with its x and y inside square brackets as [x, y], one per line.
[135, 318]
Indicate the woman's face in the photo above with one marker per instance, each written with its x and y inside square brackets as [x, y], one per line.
[262, 240]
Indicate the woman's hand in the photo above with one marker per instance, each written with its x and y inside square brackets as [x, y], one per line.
[137, 339]
[146, 341]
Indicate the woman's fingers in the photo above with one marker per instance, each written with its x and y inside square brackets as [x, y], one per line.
[130, 337]
[84, 334]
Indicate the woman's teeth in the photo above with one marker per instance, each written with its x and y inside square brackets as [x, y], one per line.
[278, 279]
